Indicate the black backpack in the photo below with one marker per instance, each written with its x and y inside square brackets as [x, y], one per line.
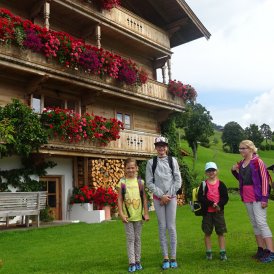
[170, 162]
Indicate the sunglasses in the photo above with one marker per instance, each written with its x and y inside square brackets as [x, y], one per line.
[211, 170]
[243, 148]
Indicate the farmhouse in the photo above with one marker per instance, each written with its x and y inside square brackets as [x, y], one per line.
[122, 74]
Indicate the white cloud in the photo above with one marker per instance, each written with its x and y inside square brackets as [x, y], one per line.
[260, 110]
[233, 71]
[257, 111]
[239, 53]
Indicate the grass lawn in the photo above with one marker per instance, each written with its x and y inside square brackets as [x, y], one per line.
[101, 248]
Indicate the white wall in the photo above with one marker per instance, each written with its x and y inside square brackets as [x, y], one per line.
[64, 168]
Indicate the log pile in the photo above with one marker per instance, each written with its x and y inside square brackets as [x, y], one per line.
[181, 199]
[106, 172]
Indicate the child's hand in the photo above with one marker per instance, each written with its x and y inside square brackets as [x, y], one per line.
[215, 205]
[165, 200]
[124, 218]
[146, 217]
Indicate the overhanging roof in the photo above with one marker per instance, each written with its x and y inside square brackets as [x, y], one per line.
[175, 16]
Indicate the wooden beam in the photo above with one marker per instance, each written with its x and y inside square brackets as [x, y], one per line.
[36, 9]
[178, 23]
[86, 171]
[36, 84]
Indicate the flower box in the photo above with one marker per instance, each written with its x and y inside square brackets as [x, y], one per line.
[85, 213]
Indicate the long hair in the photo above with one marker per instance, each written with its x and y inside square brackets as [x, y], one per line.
[250, 145]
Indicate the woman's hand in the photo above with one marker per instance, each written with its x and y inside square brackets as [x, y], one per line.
[235, 167]
[264, 204]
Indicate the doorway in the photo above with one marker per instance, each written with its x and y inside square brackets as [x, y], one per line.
[52, 184]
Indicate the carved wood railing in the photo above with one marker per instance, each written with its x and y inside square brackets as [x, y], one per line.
[152, 91]
[130, 142]
[137, 25]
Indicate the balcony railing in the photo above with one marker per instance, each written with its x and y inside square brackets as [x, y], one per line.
[137, 25]
[151, 92]
[130, 142]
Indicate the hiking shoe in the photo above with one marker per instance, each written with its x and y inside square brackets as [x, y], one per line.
[132, 268]
[259, 254]
[223, 256]
[138, 266]
[165, 264]
[209, 255]
[173, 263]
[268, 258]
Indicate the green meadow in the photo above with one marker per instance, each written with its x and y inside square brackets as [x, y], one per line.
[101, 248]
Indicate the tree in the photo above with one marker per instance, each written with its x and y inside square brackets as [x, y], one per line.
[197, 124]
[266, 132]
[26, 132]
[254, 134]
[232, 135]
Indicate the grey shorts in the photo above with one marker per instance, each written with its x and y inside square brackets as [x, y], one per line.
[214, 220]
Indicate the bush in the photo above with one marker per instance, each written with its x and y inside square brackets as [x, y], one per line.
[262, 147]
[46, 215]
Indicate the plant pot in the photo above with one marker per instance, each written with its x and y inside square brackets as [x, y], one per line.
[107, 212]
[85, 213]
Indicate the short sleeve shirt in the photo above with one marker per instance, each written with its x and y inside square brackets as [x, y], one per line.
[132, 200]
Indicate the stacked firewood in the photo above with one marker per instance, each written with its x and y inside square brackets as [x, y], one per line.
[106, 172]
[181, 199]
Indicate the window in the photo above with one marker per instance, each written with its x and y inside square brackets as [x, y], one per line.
[39, 102]
[125, 118]
[36, 103]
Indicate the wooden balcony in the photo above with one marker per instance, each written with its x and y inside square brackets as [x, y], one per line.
[27, 64]
[137, 26]
[131, 143]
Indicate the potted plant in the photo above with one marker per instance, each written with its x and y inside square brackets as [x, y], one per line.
[186, 92]
[83, 196]
[106, 198]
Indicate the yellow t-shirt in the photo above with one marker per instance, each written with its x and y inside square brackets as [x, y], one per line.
[132, 199]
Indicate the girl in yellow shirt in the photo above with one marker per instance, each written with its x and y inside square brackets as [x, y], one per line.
[132, 208]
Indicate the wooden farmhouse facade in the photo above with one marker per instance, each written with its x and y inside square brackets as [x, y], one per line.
[144, 31]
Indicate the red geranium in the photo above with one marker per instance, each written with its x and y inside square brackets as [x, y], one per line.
[83, 194]
[105, 196]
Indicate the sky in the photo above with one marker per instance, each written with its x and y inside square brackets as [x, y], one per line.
[233, 71]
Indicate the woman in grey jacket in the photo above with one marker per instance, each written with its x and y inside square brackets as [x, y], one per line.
[164, 184]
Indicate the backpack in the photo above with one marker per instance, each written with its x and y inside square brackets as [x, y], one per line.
[170, 162]
[195, 205]
[141, 191]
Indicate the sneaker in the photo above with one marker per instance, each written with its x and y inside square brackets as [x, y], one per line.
[165, 264]
[259, 254]
[131, 268]
[173, 263]
[268, 258]
[209, 255]
[223, 256]
[138, 266]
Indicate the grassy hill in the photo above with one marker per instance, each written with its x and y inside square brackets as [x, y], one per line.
[223, 160]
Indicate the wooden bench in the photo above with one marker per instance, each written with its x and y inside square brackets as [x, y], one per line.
[22, 204]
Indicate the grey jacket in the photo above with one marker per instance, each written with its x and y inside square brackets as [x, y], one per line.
[164, 181]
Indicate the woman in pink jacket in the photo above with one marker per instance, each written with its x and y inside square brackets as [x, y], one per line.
[253, 179]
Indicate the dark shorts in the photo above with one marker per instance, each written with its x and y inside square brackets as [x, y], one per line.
[214, 220]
